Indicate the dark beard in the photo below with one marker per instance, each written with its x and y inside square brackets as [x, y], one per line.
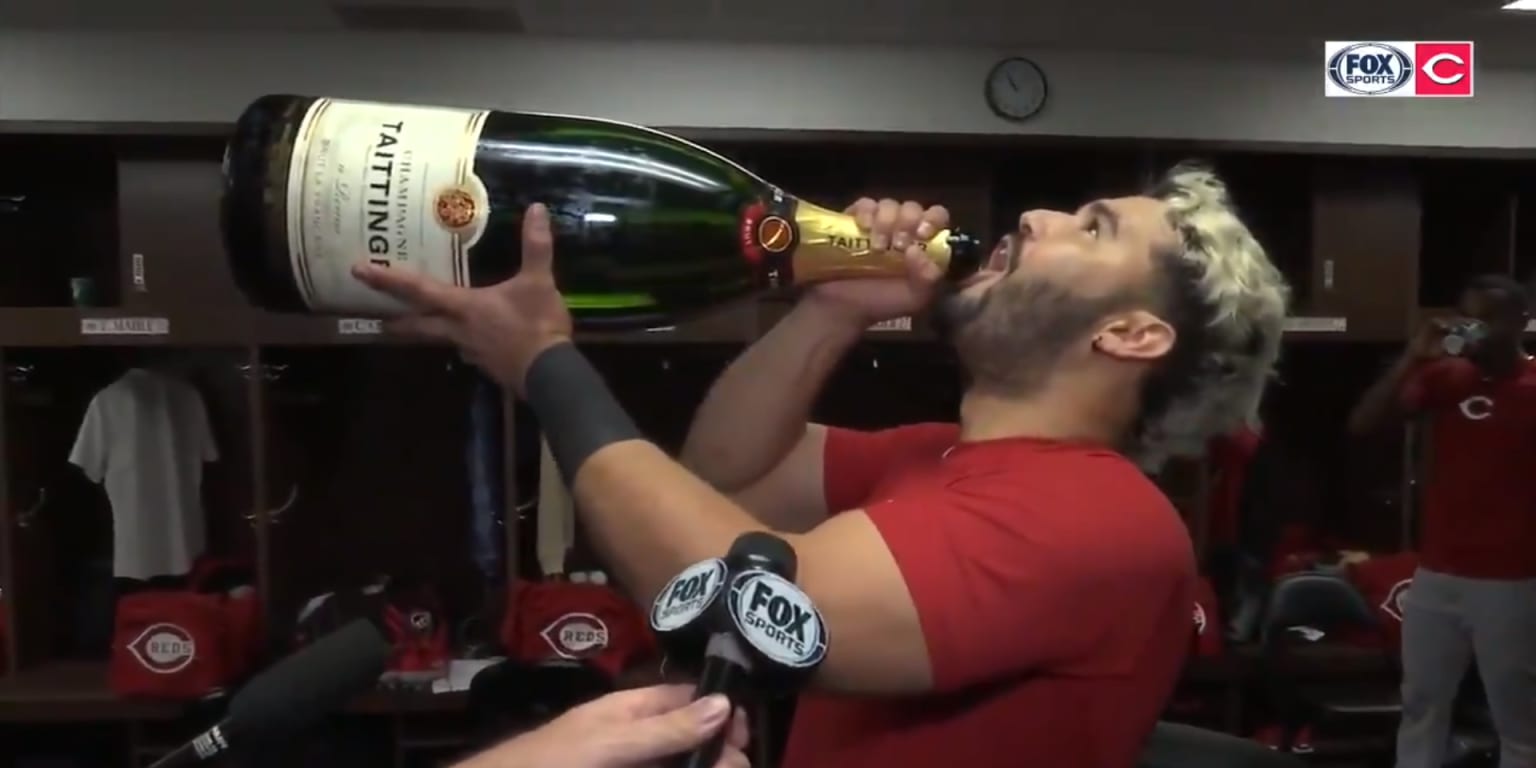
[1009, 338]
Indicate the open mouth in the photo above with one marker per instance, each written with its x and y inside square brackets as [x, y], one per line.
[1003, 259]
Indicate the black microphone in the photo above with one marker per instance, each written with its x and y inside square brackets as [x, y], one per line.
[765, 631]
[686, 612]
[293, 693]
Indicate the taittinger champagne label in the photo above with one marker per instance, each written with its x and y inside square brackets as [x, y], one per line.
[394, 185]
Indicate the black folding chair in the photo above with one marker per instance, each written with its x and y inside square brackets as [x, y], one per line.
[1303, 609]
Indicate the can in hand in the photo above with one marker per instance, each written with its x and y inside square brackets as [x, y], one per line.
[1462, 336]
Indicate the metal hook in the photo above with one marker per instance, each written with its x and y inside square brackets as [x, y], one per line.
[274, 516]
[524, 508]
[19, 373]
[25, 517]
[293, 496]
[269, 371]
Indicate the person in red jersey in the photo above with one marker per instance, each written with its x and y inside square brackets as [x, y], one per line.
[1228, 458]
[1009, 590]
[1474, 594]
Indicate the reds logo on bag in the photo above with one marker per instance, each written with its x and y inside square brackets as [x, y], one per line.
[1392, 605]
[576, 636]
[1385, 581]
[164, 649]
[592, 623]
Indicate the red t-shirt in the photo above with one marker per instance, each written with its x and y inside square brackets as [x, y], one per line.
[1053, 582]
[1479, 501]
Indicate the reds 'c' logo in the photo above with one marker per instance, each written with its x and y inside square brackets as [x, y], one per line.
[1476, 407]
[576, 635]
[164, 649]
[1199, 619]
[1393, 605]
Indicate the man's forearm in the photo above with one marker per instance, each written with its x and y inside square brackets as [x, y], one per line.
[647, 516]
[767, 393]
[1379, 404]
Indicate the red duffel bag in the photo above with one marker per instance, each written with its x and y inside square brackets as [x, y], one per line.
[561, 620]
[185, 643]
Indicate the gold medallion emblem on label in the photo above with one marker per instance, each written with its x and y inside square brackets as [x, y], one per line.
[775, 234]
[455, 208]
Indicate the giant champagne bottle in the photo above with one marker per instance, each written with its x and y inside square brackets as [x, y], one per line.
[648, 227]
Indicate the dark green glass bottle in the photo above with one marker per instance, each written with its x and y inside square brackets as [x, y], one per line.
[648, 227]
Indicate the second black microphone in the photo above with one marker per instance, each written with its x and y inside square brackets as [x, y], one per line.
[754, 629]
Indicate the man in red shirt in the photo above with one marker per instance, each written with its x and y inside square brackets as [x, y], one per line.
[1049, 582]
[1008, 591]
[1474, 594]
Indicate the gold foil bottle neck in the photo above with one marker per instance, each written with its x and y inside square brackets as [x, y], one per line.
[831, 246]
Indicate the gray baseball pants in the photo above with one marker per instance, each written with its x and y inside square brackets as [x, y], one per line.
[1447, 622]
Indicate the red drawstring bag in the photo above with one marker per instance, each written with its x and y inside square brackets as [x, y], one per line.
[184, 643]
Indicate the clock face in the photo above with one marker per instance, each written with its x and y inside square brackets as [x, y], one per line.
[1016, 89]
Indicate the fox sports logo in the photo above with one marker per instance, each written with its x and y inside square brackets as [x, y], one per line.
[1370, 69]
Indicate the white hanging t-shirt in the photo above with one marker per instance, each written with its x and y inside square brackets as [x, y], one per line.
[145, 439]
[557, 514]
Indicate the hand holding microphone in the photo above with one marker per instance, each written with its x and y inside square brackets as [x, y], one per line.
[628, 729]
[756, 630]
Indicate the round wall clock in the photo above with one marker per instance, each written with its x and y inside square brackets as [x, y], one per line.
[1016, 89]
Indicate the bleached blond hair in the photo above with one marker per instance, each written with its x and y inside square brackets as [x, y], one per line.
[1229, 306]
